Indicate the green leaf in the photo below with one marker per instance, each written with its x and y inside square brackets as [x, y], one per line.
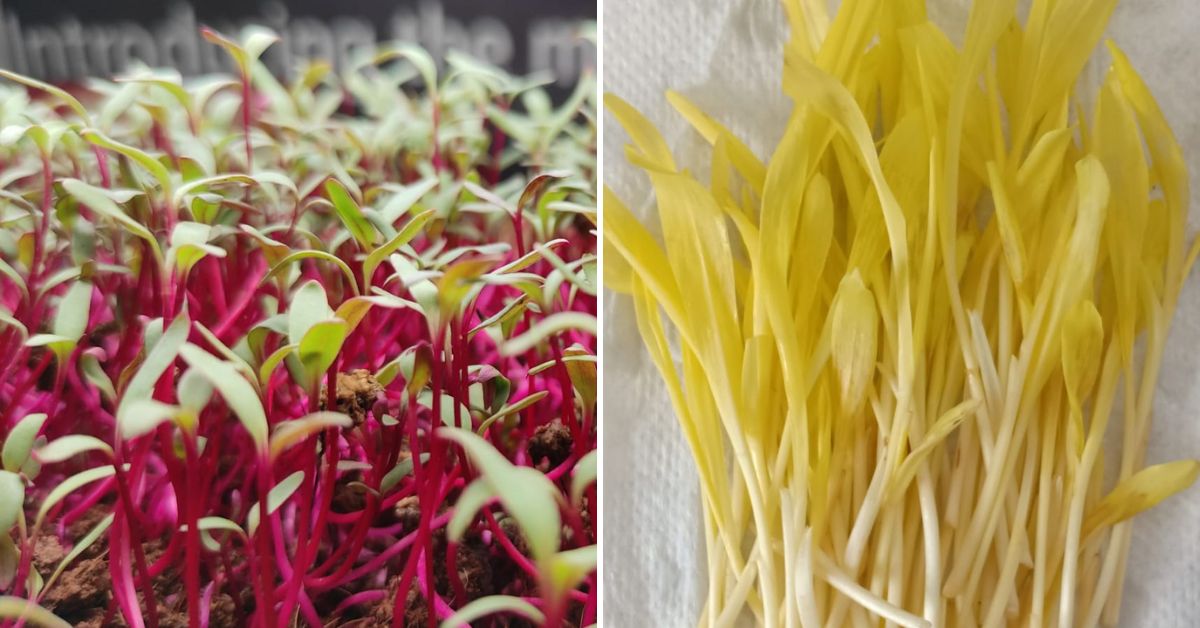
[543, 329]
[567, 359]
[273, 250]
[419, 362]
[569, 568]
[239, 395]
[530, 258]
[95, 375]
[350, 214]
[510, 311]
[583, 476]
[230, 355]
[469, 502]
[154, 166]
[321, 255]
[398, 472]
[417, 56]
[566, 271]
[404, 197]
[309, 306]
[43, 138]
[12, 500]
[60, 345]
[61, 449]
[457, 285]
[419, 286]
[320, 346]
[526, 493]
[490, 605]
[582, 374]
[6, 319]
[142, 416]
[255, 40]
[194, 391]
[101, 203]
[289, 433]
[410, 231]
[208, 524]
[275, 498]
[512, 408]
[272, 362]
[161, 356]
[168, 81]
[498, 385]
[453, 412]
[490, 197]
[71, 319]
[354, 309]
[68, 486]
[199, 184]
[537, 185]
[20, 441]
[17, 608]
[58, 93]
[189, 245]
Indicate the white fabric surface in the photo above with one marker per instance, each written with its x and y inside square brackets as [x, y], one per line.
[725, 55]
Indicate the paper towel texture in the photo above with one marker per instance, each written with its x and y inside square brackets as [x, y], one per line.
[726, 56]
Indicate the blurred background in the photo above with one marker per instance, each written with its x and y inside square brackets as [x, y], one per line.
[68, 40]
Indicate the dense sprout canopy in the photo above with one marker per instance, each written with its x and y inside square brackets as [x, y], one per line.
[316, 350]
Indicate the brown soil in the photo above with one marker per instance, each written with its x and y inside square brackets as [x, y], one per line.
[95, 619]
[84, 588]
[349, 497]
[408, 512]
[172, 618]
[224, 612]
[357, 392]
[416, 615]
[47, 553]
[507, 573]
[509, 526]
[84, 524]
[474, 566]
[550, 445]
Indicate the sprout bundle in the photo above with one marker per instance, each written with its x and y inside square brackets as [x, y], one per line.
[266, 363]
[902, 341]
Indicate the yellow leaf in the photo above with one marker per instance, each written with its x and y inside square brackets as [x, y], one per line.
[853, 340]
[1141, 491]
[1082, 345]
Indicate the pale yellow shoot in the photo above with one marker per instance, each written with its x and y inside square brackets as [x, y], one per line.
[1141, 491]
[853, 342]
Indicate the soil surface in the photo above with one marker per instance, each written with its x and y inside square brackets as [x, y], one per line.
[349, 495]
[357, 392]
[47, 553]
[408, 512]
[550, 445]
[82, 593]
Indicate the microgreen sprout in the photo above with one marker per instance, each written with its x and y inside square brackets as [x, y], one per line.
[292, 354]
[900, 339]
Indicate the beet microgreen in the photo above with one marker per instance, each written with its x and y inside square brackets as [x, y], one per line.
[262, 353]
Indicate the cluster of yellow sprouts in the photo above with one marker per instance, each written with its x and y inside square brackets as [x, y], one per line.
[902, 340]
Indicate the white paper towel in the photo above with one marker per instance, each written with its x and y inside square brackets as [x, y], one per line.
[726, 56]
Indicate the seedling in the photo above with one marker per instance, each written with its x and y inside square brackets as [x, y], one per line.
[264, 342]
